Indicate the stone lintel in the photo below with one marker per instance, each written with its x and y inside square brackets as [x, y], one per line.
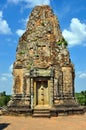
[41, 73]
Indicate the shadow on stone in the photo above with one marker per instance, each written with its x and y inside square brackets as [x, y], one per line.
[3, 125]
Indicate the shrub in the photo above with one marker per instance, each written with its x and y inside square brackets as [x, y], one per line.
[81, 98]
[4, 99]
[63, 41]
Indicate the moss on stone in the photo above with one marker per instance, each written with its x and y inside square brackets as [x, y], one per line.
[63, 41]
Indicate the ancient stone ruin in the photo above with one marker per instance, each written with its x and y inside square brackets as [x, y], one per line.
[43, 72]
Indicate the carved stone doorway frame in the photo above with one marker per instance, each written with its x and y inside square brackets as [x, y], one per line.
[41, 92]
[41, 76]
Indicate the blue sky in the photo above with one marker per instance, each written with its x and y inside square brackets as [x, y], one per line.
[13, 18]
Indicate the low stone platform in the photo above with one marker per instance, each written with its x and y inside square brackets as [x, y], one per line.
[47, 113]
[67, 111]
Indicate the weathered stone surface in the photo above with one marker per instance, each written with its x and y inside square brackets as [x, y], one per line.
[43, 72]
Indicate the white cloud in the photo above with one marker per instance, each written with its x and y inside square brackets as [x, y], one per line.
[19, 32]
[11, 68]
[8, 40]
[31, 3]
[3, 79]
[76, 33]
[13, 1]
[82, 75]
[1, 14]
[7, 75]
[4, 27]
[24, 21]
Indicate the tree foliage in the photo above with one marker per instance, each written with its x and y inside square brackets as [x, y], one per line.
[4, 99]
[62, 41]
[81, 97]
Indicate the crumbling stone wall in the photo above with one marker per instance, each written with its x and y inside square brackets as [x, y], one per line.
[39, 48]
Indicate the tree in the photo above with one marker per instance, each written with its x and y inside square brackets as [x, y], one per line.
[81, 97]
[4, 99]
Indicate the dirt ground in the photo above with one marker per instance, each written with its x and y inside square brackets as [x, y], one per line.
[75, 122]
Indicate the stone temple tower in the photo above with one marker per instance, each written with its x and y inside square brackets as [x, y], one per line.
[43, 74]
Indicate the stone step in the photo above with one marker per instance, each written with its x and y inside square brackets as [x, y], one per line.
[41, 113]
